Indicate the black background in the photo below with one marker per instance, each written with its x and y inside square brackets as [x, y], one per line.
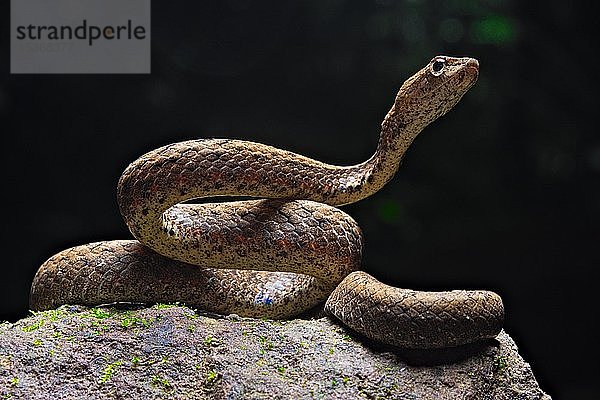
[503, 193]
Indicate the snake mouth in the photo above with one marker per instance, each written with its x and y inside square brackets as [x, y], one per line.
[469, 72]
[473, 64]
[473, 68]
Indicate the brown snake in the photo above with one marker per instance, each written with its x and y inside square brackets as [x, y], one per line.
[283, 254]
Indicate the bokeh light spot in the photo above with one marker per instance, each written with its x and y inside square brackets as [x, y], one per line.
[389, 211]
[494, 29]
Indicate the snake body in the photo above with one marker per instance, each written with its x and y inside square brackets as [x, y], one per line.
[282, 254]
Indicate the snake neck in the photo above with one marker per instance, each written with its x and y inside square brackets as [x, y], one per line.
[364, 179]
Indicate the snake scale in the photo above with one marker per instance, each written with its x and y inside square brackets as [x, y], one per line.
[282, 253]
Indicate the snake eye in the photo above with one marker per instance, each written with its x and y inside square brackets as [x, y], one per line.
[437, 66]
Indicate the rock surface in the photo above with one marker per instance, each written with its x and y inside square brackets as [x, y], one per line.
[172, 352]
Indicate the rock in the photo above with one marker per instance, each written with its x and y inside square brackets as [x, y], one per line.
[172, 352]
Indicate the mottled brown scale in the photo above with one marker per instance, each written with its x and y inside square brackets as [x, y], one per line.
[282, 254]
[415, 319]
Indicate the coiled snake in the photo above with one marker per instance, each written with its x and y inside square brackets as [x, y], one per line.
[283, 254]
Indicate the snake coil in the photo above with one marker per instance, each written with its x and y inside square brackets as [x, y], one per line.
[279, 255]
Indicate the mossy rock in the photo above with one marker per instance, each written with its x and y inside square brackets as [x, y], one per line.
[173, 352]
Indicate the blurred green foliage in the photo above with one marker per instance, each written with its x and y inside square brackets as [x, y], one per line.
[494, 29]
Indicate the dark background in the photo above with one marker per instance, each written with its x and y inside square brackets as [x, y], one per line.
[503, 193]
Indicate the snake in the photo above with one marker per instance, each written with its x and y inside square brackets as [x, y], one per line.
[276, 245]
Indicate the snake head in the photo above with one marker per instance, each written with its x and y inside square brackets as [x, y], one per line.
[434, 90]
